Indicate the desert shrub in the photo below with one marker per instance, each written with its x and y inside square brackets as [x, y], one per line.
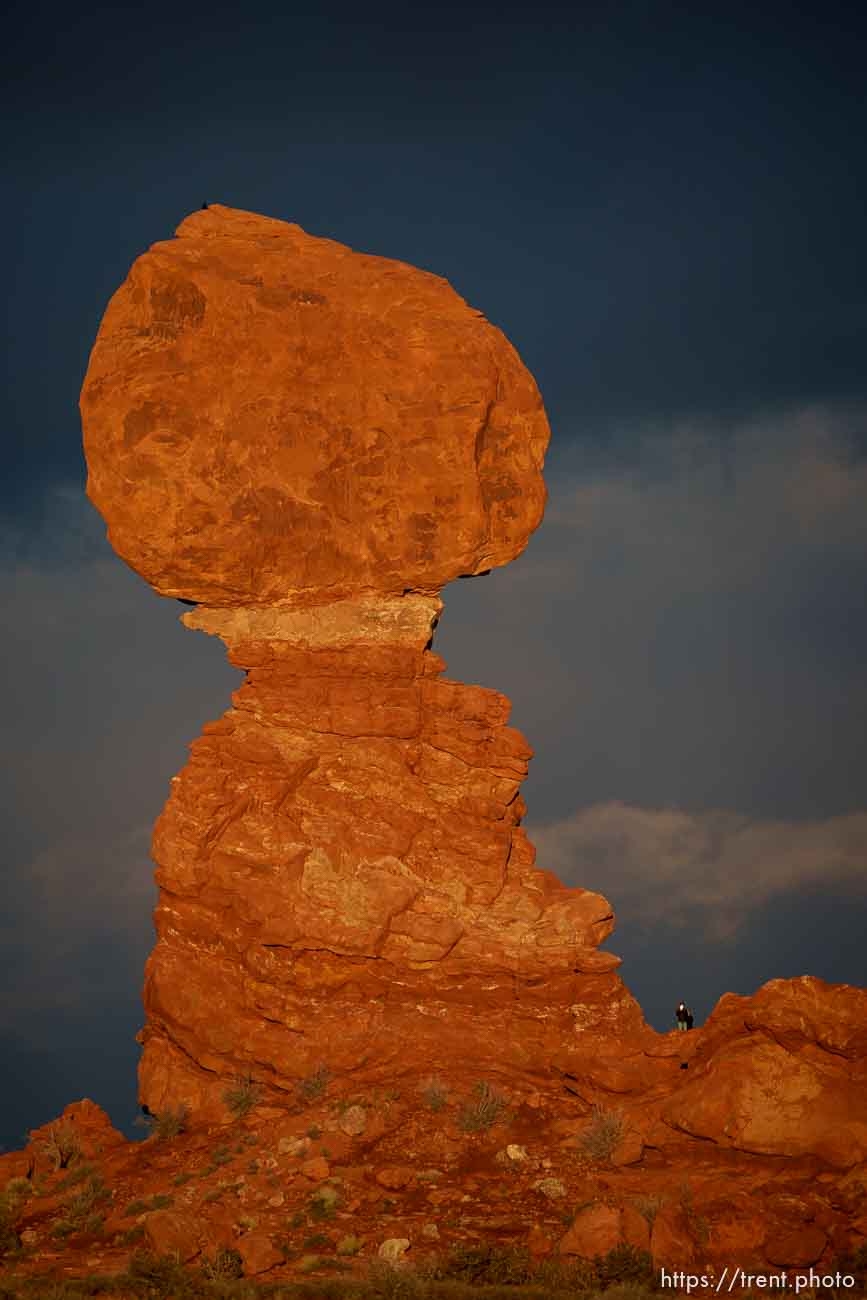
[854, 1263]
[349, 1245]
[648, 1207]
[317, 1241]
[384, 1282]
[625, 1263]
[81, 1210]
[75, 1176]
[243, 1095]
[486, 1108]
[600, 1139]
[485, 1265]
[313, 1087]
[433, 1090]
[180, 1179]
[132, 1235]
[168, 1123]
[225, 1265]
[9, 1207]
[697, 1225]
[161, 1275]
[61, 1144]
[136, 1207]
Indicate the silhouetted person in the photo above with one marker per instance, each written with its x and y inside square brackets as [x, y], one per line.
[690, 1019]
[204, 205]
[681, 1016]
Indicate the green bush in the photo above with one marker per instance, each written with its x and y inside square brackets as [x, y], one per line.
[243, 1095]
[313, 1087]
[625, 1263]
[168, 1123]
[225, 1265]
[485, 1266]
[433, 1090]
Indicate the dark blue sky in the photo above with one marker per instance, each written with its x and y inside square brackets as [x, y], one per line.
[664, 211]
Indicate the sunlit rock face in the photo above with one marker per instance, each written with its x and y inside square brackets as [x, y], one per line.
[273, 418]
[309, 443]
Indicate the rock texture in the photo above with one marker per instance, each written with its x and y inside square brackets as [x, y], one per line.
[269, 417]
[310, 442]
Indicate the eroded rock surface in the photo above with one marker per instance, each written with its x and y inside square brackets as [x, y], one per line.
[309, 442]
[269, 416]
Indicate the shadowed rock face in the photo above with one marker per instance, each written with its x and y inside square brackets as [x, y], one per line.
[310, 442]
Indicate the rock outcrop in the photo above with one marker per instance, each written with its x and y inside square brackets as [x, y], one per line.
[271, 418]
[308, 443]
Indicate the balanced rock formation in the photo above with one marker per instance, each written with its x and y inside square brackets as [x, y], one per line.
[308, 443]
[273, 419]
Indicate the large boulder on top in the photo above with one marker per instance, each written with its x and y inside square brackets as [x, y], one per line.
[270, 417]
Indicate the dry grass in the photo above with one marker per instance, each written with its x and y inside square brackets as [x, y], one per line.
[486, 1108]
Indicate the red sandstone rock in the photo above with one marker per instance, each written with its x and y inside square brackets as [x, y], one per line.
[395, 1177]
[797, 1249]
[172, 1232]
[258, 1253]
[313, 442]
[343, 876]
[316, 1169]
[782, 1073]
[671, 1243]
[269, 416]
[594, 1231]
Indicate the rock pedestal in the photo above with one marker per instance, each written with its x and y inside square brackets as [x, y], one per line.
[308, 443]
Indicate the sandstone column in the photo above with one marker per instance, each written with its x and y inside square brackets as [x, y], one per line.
[308, 443]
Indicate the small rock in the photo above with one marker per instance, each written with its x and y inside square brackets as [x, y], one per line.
[552, 1188]
[326, 1196]
[535, 1101]
[289, 1146]
[538, 1242]
[431, 1231]
[629, 1149]
[517, 1153]
[316, 1169]
[394, 1177]
[258, 1253]
[29, 1235]
[354, 1121]
[172, 1232]
[594, 1231]
[394, 1249]
[276, 1201]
